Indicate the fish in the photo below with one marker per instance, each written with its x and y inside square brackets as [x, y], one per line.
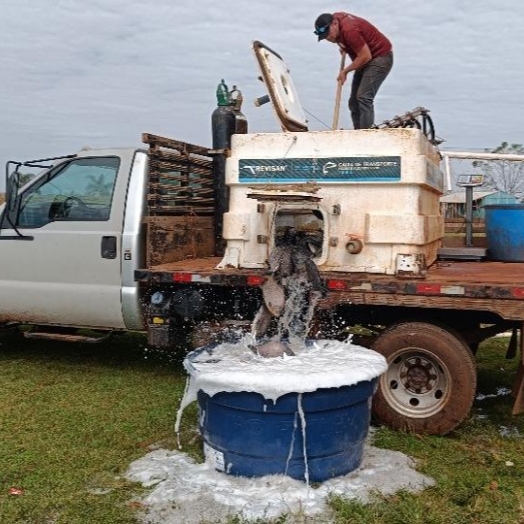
[274, 296]
[261, 322]
[272, 349]
[291, 267]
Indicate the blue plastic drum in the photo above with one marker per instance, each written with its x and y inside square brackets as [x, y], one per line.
[505, 232]
[247, 435]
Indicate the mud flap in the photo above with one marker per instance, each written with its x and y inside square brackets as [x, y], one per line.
[518, 385]
[518, 391]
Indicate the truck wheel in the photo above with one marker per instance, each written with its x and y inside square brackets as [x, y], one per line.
[431, 380]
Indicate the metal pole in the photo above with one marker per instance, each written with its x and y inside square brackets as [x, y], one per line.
[469, 216]
[448, 174]
[482, 156]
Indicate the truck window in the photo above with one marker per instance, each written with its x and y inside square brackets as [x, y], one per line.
[79, 190]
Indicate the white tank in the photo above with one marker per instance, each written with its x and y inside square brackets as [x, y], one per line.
[366, 200]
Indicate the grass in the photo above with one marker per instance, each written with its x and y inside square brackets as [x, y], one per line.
[73, 417]
[71, 420]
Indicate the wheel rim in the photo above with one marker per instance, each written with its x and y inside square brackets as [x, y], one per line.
[416, 383]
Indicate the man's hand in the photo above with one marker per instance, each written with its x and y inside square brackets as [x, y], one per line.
[342, 76]
[362, 58]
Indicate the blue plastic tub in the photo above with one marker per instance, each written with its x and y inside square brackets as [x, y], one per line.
[505, 232]
[248, 435]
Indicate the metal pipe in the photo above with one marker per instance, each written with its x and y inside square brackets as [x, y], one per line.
[261, 100]
[482, 156]
[448, 174]
[470, 154]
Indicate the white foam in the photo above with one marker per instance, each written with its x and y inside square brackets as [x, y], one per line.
[322, 364]
[187, 493]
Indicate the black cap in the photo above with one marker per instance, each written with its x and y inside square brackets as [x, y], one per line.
[322, 24]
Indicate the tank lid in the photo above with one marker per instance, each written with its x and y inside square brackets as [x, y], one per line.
[281, 89]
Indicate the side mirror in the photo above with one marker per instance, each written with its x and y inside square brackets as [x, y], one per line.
[11, 191]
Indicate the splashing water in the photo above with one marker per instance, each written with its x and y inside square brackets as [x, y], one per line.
[291, 293]
[300, 305]
[300, 410]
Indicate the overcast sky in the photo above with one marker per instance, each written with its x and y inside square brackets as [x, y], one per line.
[100, 72]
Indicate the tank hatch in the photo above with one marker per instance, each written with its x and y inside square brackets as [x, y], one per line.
[280, 87]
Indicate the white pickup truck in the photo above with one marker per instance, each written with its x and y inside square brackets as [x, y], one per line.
[165, 239]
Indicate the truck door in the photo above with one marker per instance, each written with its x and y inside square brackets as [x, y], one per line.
[65, 269]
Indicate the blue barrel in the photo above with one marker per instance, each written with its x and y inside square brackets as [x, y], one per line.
[505, 232]
[248, 435]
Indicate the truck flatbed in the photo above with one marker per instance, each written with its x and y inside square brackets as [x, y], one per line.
[447, 284]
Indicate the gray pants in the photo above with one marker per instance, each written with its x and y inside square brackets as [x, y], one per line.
[366, 82]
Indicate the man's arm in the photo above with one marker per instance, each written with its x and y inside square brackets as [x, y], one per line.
[362, 58]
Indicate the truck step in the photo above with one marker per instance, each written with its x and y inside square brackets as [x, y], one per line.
[66, 337]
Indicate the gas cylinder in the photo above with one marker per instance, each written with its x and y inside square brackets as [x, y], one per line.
[223, 125]
[223, 118]
[236, 102]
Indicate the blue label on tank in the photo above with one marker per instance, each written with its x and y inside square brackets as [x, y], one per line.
[336, 169]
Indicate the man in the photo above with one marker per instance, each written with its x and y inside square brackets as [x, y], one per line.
[371, 59]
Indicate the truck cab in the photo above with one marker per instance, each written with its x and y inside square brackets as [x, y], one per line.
[70, 241]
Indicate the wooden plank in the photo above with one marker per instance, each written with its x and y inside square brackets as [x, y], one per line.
[458, 225]
[172, 239]
[180, 178]
[161, 141]
[168, 156]
[460, 241]
[507, 309]
[455, 233]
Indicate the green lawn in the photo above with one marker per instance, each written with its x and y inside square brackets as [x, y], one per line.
[73, 417]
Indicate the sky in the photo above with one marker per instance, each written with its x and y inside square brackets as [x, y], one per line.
[101, 73]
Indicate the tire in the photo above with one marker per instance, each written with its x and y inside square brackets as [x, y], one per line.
[431, 380]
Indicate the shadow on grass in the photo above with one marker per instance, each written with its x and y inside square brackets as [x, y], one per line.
[125, 350]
